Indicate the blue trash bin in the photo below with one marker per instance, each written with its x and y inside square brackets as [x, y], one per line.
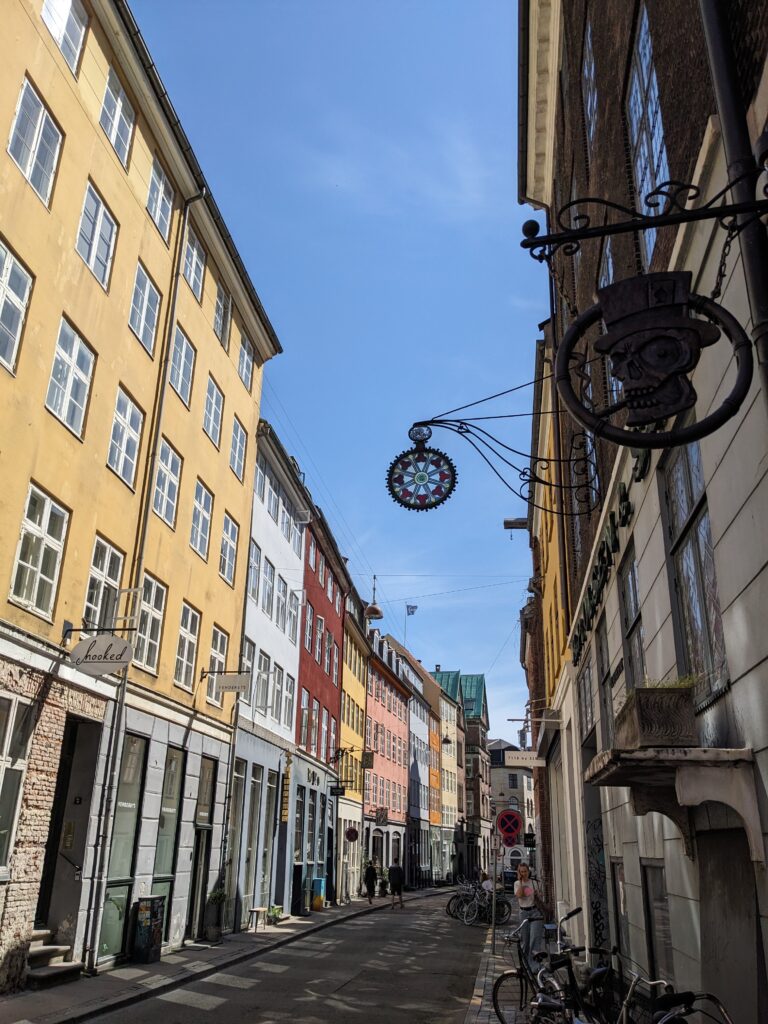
[318, 893]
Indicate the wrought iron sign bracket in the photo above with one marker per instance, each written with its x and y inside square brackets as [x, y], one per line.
[668, 208]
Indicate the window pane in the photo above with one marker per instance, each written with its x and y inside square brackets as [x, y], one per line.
[9, 799]
[127, 807]
[169, 811]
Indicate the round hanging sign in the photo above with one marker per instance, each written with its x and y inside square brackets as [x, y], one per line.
[509, 823]
[651, 345]
[421, 478]
[351, 835]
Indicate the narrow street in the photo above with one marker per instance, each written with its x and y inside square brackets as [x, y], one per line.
[414, 965]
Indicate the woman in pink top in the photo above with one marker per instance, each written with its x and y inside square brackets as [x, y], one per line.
[526, 891]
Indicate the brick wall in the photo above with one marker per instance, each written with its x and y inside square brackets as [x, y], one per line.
[18, 897]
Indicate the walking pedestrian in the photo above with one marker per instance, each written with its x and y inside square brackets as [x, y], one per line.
[396, 881]
[370, 881]
[527, 893]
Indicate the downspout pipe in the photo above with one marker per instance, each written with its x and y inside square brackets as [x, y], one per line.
[565, 594]
[90, 953]
[753, 240]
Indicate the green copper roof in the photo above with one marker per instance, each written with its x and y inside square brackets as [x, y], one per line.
[450, 683]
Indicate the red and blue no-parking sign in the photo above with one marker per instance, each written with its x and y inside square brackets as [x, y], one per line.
[510, 824]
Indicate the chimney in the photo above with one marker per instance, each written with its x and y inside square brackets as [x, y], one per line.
[437, 668]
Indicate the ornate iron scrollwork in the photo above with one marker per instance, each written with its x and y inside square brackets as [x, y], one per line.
[653, 344]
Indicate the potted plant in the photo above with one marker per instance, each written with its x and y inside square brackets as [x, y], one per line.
[216, 899]
[274, 914]
[659, 714]
[383, 883]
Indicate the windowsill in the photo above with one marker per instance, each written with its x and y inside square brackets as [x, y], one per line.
[159, 231]
[240, 476]
[78, 437]
[150, 353]
[214, 703]
[202, 557]
[45, 203]
[144, 668]
[31, 609]
[171, 526]
[104, 287]
[230, 583]
[214, 443]
[198, 297]
[184, 401]
[114, 472]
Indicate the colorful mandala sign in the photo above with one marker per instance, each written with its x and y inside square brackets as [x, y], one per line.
[421, 478]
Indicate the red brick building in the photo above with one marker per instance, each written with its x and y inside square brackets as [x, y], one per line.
[314, 768]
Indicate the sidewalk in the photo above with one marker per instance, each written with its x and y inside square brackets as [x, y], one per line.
[480, 1010]
[130, 983]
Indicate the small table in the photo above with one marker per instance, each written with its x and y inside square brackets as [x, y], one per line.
[254, 912]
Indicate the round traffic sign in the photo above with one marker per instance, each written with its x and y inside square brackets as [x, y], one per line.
[509, 823]
[509, 840]
[351, 835]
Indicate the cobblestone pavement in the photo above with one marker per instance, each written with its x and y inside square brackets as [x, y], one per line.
[130, 983]
[481, 1009]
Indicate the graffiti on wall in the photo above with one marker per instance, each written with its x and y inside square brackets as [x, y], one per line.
[598, 898]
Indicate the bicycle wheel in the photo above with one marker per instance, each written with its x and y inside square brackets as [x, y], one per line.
[451, 905]
[503, 911]
[471, 911]
[507, 997]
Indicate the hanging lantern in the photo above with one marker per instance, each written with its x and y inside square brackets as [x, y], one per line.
[421, 478]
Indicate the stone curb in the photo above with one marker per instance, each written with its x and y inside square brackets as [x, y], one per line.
[72, 1016]
[476, 1002]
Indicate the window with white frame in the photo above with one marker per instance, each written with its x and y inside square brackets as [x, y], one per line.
[96, 236]
[585, 697]
[101, 596]
[319, 633]
[202, 508]
[160, 199]
[245, 362]
[221, 314]
[247, 660]
[297, 533]
[335, 664]
[634, 655]
[217, 664]
[16, 725]
[145, 306]
[150, 627]
[186, 650]
[304, 725]
[293, 616]
[646, 133]
[308, 627]
[66, 21]
[39, 553]
[273, 493]
[589, 85]
[194, 263]
[337, 601]
[286, 514]
[327, 655]
[126, 438]
[117, 117]
[332, 748]
[182, 365]
[277, 693]
[237, 449]
[261, 700]
[167, 483]
[329, 586]
[228, 553]
[693, 563]
[288, 699]
[214, 410]
[70, 381]
[324, 736]
[321, 570]
[261, 473]
[314, 727]
[268, 587]
[15, 285]
[281, 605]
[35, 142]
[312, 553]
[254, 570]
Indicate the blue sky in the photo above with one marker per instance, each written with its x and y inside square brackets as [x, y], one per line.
[364, 156]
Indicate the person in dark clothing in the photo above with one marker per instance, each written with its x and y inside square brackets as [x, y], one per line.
[396, 881]
[370, 881]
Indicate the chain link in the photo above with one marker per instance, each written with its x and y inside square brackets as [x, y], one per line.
[722, 266]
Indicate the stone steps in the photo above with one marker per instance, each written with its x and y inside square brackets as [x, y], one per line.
[48, 962]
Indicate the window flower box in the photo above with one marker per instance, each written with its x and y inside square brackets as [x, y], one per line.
[657, 716]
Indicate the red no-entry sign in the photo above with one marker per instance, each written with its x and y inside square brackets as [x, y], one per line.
[510, 824]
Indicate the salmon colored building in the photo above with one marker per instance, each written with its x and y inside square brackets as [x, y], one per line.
[386, 734]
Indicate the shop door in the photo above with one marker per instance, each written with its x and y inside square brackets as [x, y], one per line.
[198, 890]
[269, 834]
[60, 886]
[732, 953]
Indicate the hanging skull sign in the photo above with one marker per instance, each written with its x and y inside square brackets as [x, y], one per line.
[652, 344]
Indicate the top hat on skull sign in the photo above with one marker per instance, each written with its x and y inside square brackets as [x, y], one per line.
[653, 343]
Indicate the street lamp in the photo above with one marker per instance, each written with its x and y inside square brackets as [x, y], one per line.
[372, 611]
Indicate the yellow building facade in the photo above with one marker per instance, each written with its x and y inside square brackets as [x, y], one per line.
[352, 743]
[130, 374]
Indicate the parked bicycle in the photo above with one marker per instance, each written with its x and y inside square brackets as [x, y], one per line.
[479, 909]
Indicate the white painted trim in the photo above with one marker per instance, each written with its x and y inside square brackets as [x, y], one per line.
[38, 660]
[153, 704]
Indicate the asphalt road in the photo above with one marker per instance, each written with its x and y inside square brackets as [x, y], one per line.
[415, 965]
